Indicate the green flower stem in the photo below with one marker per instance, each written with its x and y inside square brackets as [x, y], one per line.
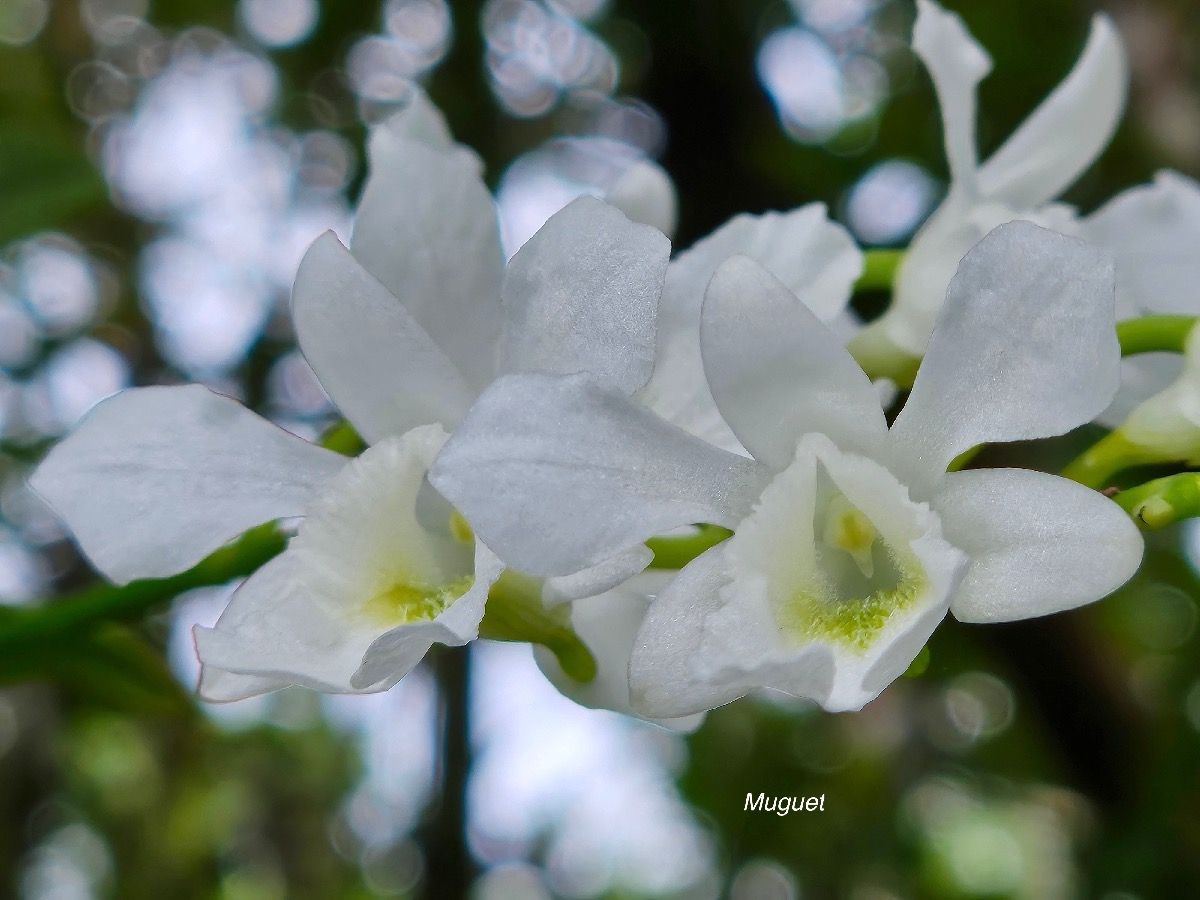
[1154, 334]
[676, 551]
[515, 612]
[880, 358]
[879, 270]
[86, 609]
[1096, 466]
[1163, 501]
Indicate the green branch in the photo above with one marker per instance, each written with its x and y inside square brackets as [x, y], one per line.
[93, 606]
[676, 551]
[1154, 334]
[1163, 501]
[879, 270]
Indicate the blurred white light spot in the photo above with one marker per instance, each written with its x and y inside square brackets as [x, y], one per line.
[395, 730]
[22, 20]
[22, 575]
[979, 705]
[541, 182]
[763, 879]
[73, 380]
[383, 68]
[203, 606]
[832, 16]
[511, 882]
[72, 864]
[207, 314]
[549, 769]
[279, 23]
[422, 24]
[888, 202]
[19, 340]
[293, 387]
[58, 282]
[536, 54]
[1164, 618]
[112, 21]
[804, 80]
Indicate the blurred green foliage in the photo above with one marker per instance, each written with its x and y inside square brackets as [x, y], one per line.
[1074, 740]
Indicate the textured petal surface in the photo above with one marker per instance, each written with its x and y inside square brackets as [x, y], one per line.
[777, 373]
[1153, 231]
[364, 534]
[661, 678]
[608, 624]
[1068, 131]
[380, 367]
[598, 578]
[336, 611]
[557, 474]
[426, 227]
[1024, 348]
[582, 296]
[275, 630]
[218, 686]
[394, 654]
[817, 260]
[1037, 543]
[957, 64]
[154, 479]
[799, 615]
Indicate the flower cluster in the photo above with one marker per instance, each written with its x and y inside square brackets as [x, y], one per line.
[673, 475]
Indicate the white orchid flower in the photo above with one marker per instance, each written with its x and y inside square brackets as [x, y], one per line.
[1043, 157]
[1163, 428]
[608, 624]
[815, 257]
[851, 541]
[403, 330]
[1152, 231]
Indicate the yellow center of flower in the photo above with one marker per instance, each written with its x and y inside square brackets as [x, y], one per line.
[460, 529]
[404, 602]
[858, 583]
[848, 529]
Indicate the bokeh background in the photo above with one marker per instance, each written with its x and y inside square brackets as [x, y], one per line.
[163, 165]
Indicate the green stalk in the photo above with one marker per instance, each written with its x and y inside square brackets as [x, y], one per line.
[879, 270]
[1163, 501]
[1154, 334]
[93, 606]
[676, 551]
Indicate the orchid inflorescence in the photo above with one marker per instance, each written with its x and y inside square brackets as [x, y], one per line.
[674, 475]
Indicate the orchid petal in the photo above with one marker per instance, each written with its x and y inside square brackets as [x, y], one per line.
[817, 260]
[276, 631]
[1037, 543]
[557, 474]
[957, 64]
[1023, 348]
[154, 479]
[608, 624]
[426, 228]
[1153, 232]
[582, 296]
[777, 373]
[382, 370]
[662, 682]
[1066, 133]
[599, 578]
